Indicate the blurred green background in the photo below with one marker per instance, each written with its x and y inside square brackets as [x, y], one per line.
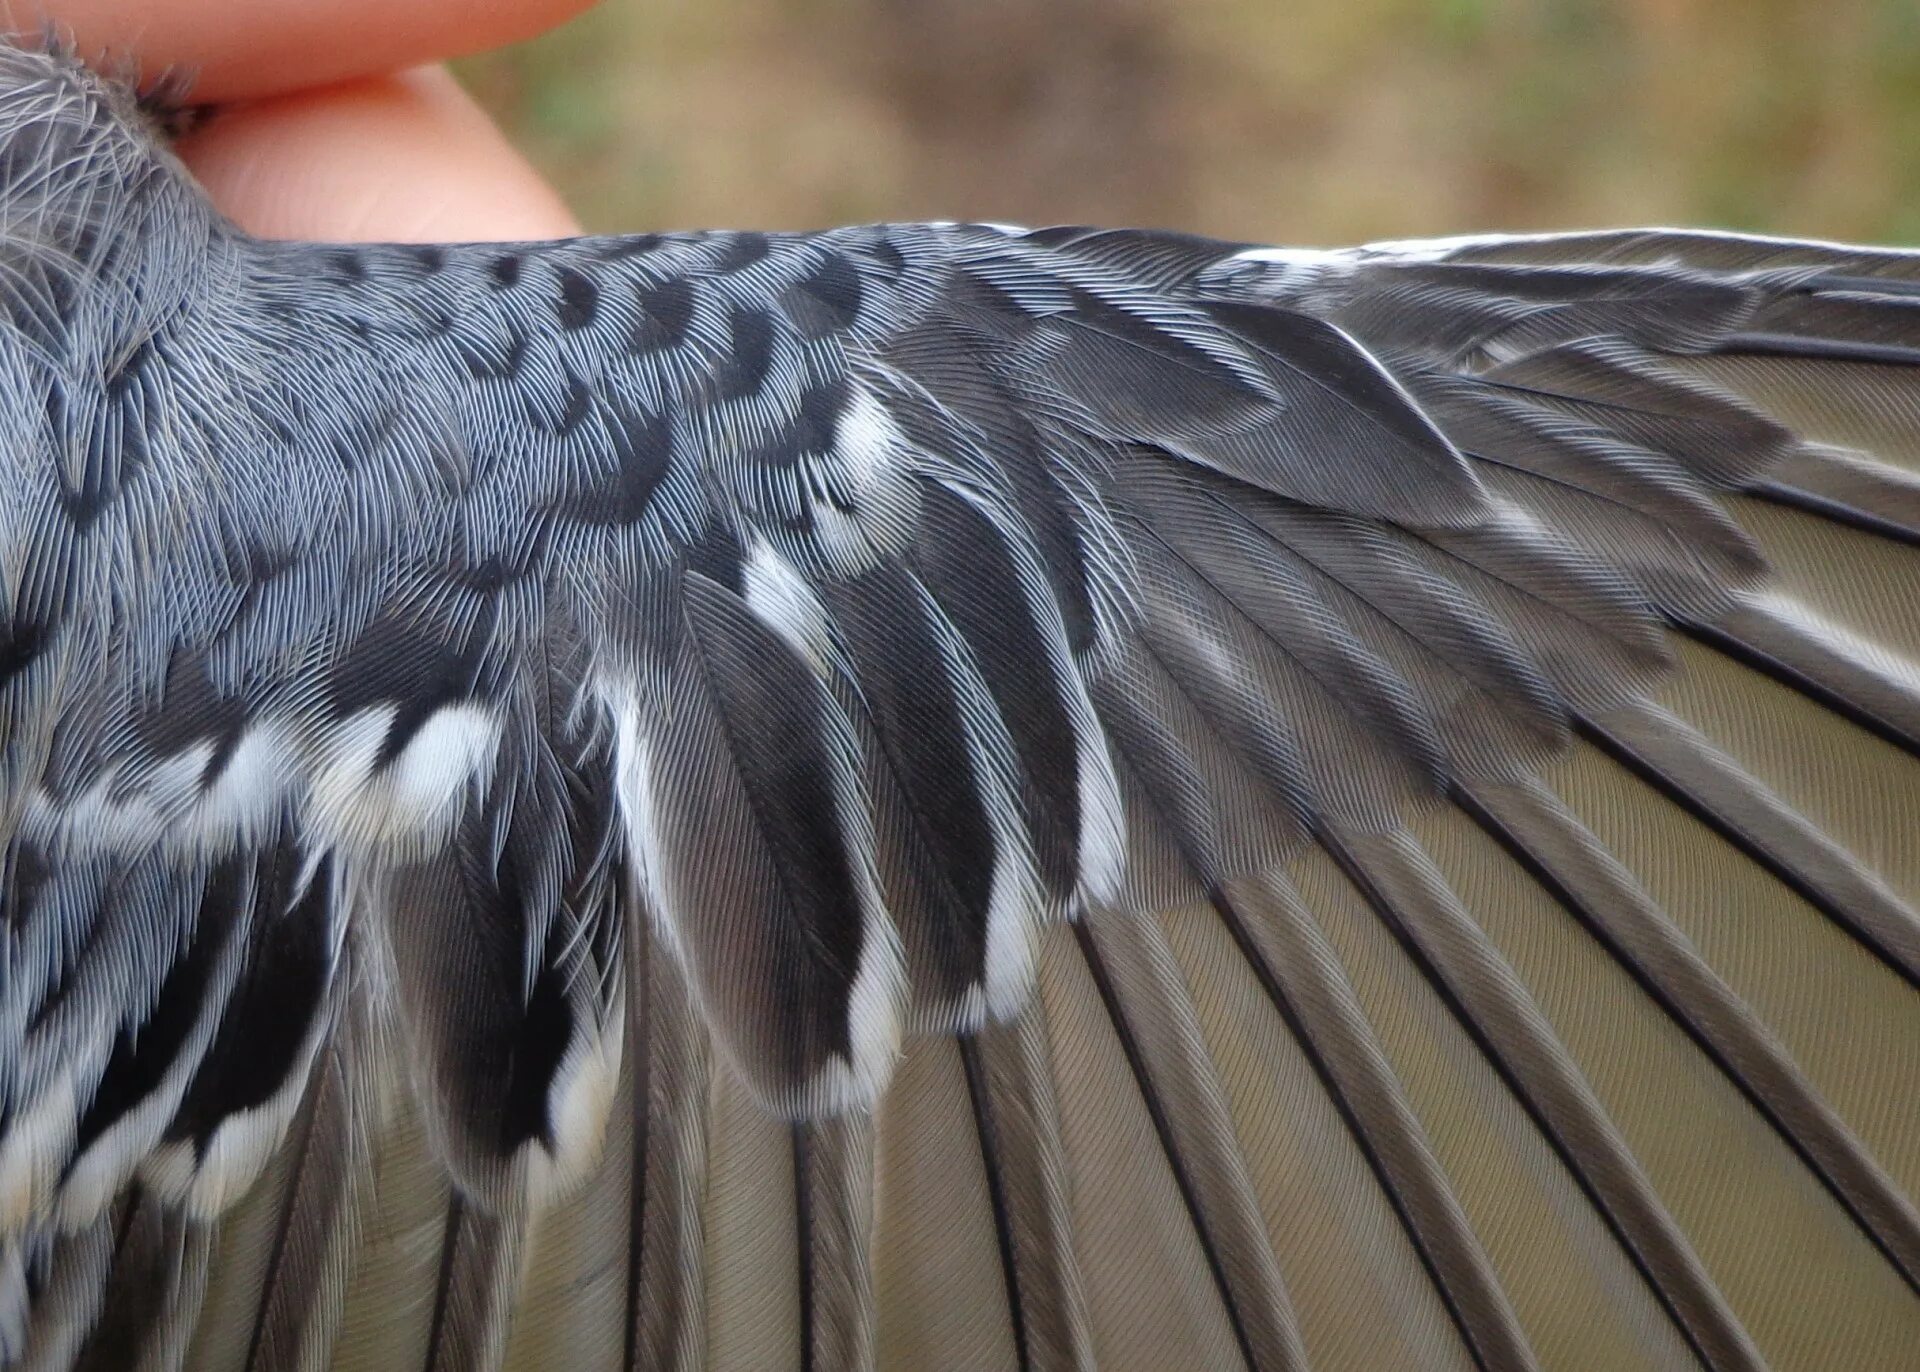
[1317, 121]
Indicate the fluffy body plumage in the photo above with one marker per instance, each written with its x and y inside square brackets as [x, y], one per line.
[935, 795]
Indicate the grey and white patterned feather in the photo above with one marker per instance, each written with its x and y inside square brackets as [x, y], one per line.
[943, 795]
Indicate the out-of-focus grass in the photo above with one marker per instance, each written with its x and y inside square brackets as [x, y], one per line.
[1310, 121]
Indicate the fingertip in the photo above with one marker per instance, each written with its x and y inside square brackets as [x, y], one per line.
[402, 158]
[254, 48]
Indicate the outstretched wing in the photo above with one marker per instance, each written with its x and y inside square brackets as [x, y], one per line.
[937, 795]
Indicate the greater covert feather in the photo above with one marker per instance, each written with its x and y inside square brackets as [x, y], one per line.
[945, 796]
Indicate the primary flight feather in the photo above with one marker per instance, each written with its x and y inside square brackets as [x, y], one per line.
[947, 796]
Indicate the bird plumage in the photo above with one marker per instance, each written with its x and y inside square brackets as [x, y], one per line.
[941, 795]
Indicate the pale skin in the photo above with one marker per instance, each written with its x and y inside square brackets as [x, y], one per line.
[335, 123]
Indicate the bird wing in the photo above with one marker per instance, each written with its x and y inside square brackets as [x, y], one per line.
[939, 795]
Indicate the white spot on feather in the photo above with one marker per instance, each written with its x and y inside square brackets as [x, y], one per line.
[112, 814]
[415, 799]
[244, 799]
[782, 599]
[1103, 815]
[633, 781]
[1016, 901]
[205, 1184]
[877, 998]
[168, 803]
[860, 503]
[1406, 249]
[1013, 910]
[579, 1103]
[36, 1142]
[867, 440]
[97, 1175]
[873, 1022]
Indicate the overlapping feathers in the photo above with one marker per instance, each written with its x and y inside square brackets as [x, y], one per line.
[398, 641]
